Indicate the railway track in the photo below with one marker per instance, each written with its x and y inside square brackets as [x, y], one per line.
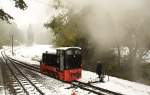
[82, 85]
[94, 89]
[36, 68]
[24, 83]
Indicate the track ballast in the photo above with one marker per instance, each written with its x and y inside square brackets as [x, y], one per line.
[79, 84]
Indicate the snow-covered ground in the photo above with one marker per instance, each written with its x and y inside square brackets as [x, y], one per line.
[33, 54]
[1, 81]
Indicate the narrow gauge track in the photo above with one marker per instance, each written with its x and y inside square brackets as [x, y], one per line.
[82, 85]
[23, 63]
[94, 89]
[25, 83]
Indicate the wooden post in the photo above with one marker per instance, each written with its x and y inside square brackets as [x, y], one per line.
[12, 45]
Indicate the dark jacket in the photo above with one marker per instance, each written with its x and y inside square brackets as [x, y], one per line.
[99, 69]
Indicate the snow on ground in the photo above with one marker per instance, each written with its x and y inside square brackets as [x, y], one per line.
[117, 84]
[2, 92]
[0, 52]
[30, 54]
[34, 53]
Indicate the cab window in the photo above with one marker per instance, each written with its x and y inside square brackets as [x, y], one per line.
[77, 52]
[69, 52]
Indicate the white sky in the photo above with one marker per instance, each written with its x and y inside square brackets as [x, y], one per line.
[38, 12]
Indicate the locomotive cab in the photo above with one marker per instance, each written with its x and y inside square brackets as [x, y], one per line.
[69, 58]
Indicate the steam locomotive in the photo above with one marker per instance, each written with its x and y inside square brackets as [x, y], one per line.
[63, 63]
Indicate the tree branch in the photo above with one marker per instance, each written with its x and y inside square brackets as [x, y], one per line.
[5, 17]
[20, 4]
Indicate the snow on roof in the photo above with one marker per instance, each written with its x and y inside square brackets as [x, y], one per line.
[52, 51]
[65, 48]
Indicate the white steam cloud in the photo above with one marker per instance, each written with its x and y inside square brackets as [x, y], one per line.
[109, 20]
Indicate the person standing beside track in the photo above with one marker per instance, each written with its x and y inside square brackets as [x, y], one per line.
[99, 71]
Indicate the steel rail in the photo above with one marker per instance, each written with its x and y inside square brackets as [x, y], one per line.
[96, 88]
[22, 62]
[25, 76]
[26, 66]
[5, 61]
[82, 85]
